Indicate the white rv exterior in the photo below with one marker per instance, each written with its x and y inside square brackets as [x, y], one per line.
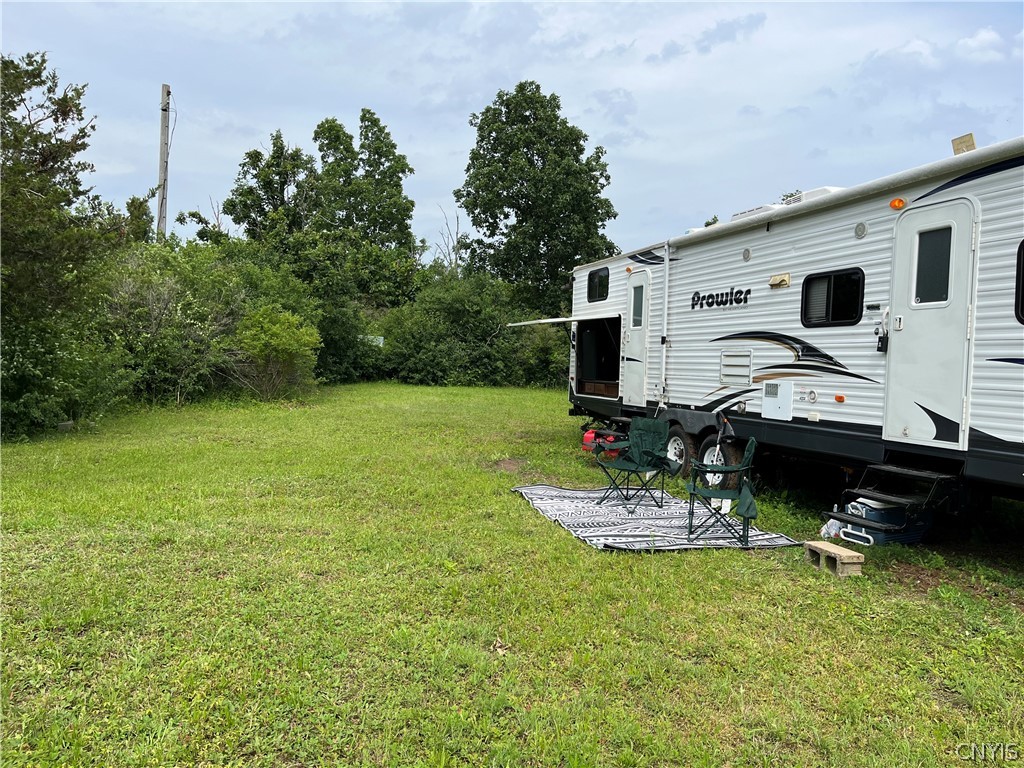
[843, 325]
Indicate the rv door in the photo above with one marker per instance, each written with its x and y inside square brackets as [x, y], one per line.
[929, 345]
[634, 339]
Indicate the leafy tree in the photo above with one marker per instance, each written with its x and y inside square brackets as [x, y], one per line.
[534, 196]
[139, 224]
[384, 211]
[341, 222]
[335, 207]
[57, 363]
[711, 222]
[271, 196]
[363, 217]
[209, 230]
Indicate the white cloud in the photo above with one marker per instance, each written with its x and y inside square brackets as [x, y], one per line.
[703, 108]
[983, 46]
[921, 51]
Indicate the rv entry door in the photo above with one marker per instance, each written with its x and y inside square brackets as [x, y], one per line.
[929, 326]
[634, 339]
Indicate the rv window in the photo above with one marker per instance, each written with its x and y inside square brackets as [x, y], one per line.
[1019, 305]
[931, 283]
[638, 307]
[597, 284]
[833, 298]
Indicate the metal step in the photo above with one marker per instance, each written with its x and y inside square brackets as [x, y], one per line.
[915, 500]
[861, 522]
[919, 474]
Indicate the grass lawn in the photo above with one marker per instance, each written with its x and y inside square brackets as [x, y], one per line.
[351, 582]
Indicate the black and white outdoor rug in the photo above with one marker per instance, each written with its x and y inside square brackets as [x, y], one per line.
[611, 526]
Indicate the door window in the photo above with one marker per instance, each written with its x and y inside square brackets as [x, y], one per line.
[638, 307]
[931, 279]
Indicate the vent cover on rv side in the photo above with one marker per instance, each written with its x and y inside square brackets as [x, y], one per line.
[777, 400]
[735, 367]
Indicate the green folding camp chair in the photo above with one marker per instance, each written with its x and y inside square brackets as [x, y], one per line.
[635, 466]
[730, 493]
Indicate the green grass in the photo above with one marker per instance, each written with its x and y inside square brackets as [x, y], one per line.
[352, 582]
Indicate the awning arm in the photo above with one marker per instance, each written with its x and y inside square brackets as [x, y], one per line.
[545, 321]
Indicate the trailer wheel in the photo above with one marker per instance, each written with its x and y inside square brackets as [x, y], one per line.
[680, 448]
[725, 454]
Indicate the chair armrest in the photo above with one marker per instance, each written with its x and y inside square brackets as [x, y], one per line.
[711, 493]
[618, 445]
[718, 468]
[672, 466]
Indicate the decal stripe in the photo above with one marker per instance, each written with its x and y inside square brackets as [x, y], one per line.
[802, 351]
[647, 257]
[1012, 360]
[817, 369]
[988, 170]
[946, 430]
[725, 401]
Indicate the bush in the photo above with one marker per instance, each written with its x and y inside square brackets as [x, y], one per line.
[273, 353]
[178, 310]
[456, 333]
[57, 370]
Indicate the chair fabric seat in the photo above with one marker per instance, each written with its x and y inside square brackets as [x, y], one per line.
[739, 491]
[641, 462]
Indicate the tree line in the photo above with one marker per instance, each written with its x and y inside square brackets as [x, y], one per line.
[326, 282]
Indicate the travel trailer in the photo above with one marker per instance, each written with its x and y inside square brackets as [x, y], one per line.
[881, 324]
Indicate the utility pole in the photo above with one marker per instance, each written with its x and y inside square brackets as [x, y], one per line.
[165, 114]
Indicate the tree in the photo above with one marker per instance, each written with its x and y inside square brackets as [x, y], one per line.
[139, 223]
[534, 197]
[384, 211]
[271, 196]
[342, 225]
[57, 362]
[208, 230]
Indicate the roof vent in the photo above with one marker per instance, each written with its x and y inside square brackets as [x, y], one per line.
[754, 211]
[811, 194]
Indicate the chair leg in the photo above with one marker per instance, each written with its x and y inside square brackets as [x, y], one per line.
[613, 486]
[621, 486]
[719, 518]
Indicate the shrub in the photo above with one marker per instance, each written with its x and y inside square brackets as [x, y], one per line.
[273, 353]
[456, 333]
[177, 310]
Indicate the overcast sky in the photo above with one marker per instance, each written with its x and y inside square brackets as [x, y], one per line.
[703, 108]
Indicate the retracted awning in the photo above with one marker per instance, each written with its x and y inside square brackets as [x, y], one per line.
[545, 321]
[553, 320]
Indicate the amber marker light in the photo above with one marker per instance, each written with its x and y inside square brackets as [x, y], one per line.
[840, 398]
[897, 203]
[628, 270]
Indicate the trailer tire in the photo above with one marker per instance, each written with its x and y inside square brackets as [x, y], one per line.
[725, 454]
[680, 448]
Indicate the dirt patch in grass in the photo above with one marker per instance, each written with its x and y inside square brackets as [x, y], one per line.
[918, 577]
[923, 580]
[515, 466]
